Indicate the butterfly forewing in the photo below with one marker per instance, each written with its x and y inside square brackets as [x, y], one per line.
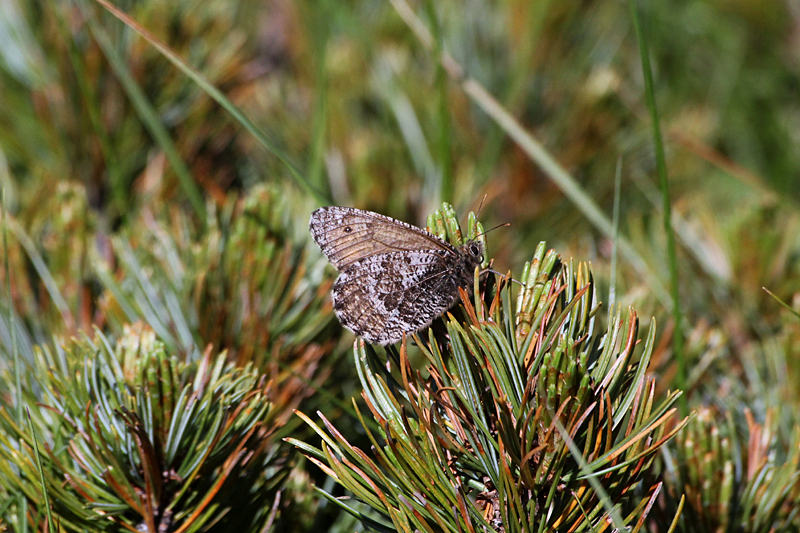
[347, 235]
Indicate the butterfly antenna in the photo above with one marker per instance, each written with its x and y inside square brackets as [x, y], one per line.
[480, 207]
[487, 231]
[478, 215]
[494, 228]
[493, 271]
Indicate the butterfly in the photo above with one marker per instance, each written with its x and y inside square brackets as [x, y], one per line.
[394, 278]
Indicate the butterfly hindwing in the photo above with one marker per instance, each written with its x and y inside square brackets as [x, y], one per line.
[382, 296]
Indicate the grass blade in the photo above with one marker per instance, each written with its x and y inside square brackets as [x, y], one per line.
[661, 169]
[221, 99]
[149, 116]
[535, 151]
[22, 503]
[45, 496]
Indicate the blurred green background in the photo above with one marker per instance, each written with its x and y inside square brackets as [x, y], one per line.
[114, 163]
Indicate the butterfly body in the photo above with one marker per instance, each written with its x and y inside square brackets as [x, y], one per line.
[394, 278]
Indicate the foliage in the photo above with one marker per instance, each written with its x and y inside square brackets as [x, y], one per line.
[52, 289]
[243, 285]
[74, 74]
[730, 485]
[476, 440]
[135, 440]
[738, 461]
[131, 201]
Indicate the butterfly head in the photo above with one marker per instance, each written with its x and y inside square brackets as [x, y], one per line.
[474, 251]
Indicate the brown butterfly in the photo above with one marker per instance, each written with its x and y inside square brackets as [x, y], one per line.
[394, 278]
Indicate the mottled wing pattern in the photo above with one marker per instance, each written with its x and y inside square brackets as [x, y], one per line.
[385, 295]
[394, 278]
[347, 235]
